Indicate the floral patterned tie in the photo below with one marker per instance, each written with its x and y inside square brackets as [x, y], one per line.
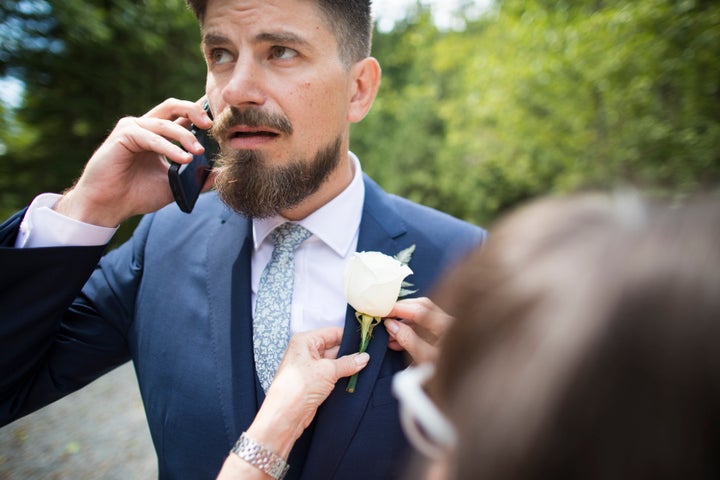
[271, 323]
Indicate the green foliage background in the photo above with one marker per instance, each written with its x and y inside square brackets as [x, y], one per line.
[533, 97]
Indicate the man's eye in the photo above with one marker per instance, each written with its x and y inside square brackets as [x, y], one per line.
[220, 56]
[283, 53]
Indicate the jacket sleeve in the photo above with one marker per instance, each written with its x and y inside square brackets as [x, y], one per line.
[54, 338]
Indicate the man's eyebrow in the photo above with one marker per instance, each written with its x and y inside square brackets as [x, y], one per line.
[211, 39]
[282, 38]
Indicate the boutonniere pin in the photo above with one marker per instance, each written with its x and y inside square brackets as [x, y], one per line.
[373, 283]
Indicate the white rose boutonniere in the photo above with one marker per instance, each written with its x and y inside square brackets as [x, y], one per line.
[373, 283]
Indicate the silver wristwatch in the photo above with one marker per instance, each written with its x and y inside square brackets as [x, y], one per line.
[260, 457]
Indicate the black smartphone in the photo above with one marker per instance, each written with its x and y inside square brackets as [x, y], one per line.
[187, 180]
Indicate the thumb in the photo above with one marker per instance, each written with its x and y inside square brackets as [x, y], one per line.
[351, 364]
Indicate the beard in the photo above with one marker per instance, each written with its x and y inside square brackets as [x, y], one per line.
[248, 183]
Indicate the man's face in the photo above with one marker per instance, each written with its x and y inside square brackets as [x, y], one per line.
[280, 95]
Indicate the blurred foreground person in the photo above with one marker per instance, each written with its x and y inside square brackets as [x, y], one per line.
[585, 346]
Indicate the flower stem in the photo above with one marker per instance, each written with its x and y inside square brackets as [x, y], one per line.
[352, 384]
[367, 324]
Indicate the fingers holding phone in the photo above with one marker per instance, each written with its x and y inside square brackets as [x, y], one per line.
[183, 112]
[127, 175]
[187, 180]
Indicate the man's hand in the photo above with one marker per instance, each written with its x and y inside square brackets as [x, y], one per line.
[417, 325]
[127, 175]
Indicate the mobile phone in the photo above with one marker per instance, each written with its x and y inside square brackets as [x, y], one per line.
[187, 180]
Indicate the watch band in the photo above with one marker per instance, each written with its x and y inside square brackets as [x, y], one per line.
[260, 457]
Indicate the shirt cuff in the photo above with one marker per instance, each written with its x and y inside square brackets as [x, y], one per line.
[44, 227]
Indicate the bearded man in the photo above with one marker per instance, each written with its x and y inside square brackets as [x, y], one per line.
[285, 80]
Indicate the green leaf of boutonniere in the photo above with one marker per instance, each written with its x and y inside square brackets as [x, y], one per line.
[404, 257]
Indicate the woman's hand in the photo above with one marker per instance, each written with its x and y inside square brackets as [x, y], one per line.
[304, 380]
[307, 375]
[418, 326]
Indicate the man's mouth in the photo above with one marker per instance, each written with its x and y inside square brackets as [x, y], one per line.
[251, 132]
[244, 137]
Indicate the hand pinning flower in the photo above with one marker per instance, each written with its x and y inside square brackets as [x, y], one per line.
[373, 283]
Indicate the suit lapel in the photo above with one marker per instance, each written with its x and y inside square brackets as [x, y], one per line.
[228, 283]
[339, 416]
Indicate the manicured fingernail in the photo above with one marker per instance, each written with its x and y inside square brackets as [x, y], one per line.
[391, 325]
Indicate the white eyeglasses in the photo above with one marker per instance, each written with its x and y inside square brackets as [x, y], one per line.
[424, 424]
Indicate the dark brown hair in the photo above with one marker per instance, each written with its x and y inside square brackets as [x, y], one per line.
[349, 20]
[586, 343]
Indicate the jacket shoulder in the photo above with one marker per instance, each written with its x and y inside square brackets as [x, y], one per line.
[398, 214]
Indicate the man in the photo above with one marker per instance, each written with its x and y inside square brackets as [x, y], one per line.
[286, 78]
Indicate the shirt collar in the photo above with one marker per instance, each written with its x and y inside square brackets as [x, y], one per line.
[336, 223]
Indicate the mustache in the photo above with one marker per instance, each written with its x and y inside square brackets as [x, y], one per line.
[251, 117]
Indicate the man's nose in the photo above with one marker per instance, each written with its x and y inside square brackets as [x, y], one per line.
[245, 87]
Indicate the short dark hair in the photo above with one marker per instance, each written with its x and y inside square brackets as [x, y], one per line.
[349, 20]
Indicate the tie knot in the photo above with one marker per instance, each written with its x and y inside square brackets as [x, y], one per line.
[289, 235]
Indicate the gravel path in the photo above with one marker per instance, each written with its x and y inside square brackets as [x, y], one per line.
[99, 432]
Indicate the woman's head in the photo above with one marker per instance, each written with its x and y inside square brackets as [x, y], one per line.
[584, 342]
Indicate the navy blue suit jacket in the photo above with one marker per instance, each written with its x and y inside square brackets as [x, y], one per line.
[175, 299]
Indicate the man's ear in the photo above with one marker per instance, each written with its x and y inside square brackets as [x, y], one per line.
[365, 76]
